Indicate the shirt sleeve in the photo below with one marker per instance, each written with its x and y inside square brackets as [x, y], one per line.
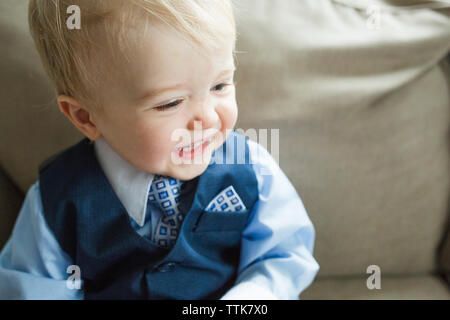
[277, 244]
[32, 264]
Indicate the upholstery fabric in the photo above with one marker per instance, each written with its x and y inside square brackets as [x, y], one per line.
[363, 118]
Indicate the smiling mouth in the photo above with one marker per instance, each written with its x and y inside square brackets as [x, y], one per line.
[195, 148]
[195, 145]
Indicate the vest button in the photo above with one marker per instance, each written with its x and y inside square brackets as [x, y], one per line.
[165, 267]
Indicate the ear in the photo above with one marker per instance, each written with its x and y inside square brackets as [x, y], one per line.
[81, 118]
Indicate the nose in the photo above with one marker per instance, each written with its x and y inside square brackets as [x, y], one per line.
[204, 114]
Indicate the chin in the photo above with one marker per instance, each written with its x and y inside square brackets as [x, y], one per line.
[188, 172]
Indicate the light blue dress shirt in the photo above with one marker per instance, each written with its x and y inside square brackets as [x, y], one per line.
[277, 244]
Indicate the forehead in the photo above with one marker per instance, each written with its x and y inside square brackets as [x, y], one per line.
[162, 58]
[164, 52]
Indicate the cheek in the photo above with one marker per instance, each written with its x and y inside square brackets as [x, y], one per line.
[120, 132]
[157, 141]
[230, 114]
[149, 152]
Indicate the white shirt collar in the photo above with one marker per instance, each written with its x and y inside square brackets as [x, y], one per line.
[130, 184]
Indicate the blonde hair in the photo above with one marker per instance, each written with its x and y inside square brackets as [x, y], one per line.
[71, 56]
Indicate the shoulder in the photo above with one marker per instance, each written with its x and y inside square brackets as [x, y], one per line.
[62, 174]
[32, 264]
[65, 155]
[32, 205]
[264, 163]
[273, 184]
[31, 230]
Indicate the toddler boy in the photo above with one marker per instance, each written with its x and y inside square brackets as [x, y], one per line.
[152, 204]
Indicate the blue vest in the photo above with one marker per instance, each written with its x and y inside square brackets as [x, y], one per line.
[94, 229]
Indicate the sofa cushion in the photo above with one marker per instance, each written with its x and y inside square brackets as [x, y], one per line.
[363, 117]
[444, 254]
[417, 287]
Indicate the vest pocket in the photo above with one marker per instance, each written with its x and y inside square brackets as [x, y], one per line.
[221, 221]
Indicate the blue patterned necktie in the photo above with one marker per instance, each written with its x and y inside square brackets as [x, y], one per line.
[164, 192]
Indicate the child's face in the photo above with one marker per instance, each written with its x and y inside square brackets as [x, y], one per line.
[204, 96]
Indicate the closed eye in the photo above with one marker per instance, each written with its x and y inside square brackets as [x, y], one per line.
[222, 86]
[169, 105]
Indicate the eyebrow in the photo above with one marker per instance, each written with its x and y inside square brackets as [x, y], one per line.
[226, 71]
[156, 92]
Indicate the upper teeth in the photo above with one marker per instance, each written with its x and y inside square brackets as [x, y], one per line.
[193, 146]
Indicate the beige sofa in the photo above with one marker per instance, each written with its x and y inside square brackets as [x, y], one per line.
[361, 99]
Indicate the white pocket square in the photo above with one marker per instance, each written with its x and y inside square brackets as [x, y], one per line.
[226, 200]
